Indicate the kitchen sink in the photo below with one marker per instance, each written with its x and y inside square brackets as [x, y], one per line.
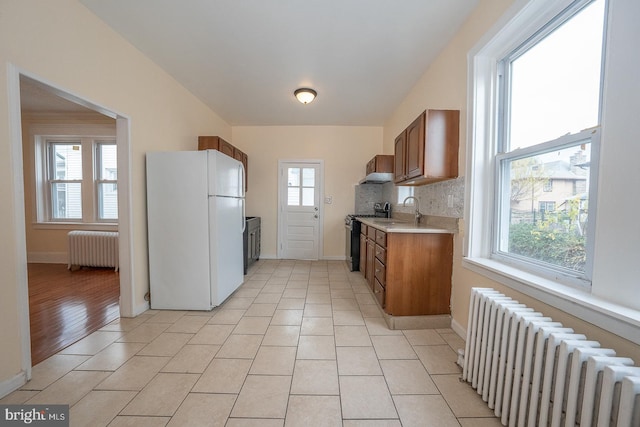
[389, 221]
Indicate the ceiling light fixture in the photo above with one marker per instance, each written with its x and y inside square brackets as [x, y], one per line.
[305, 95]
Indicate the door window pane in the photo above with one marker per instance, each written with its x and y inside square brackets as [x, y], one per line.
[308, 197]
[293, 175]
[293, 196]
[308, 177]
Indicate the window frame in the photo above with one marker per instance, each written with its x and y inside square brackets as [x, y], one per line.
[520, 21]
[513, 49]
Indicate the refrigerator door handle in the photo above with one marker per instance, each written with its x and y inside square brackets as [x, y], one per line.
[241, 179]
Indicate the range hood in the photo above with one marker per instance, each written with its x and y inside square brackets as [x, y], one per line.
[377, 178]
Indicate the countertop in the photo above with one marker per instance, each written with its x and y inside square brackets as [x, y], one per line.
[393, 225]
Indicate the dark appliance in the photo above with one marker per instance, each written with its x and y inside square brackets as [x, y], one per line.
[251, 241]
[353, 227]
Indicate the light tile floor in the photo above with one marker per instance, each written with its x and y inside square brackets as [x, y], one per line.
[299, 344]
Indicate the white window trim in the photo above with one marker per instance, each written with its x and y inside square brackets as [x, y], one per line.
[38, 135]
[522, 19]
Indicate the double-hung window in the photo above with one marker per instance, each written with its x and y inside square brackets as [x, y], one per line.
[76, 179]
[538, 95]
[106, 156]
[64, 167]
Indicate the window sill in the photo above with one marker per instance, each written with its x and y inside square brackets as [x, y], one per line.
[98, 226]
[620, 320]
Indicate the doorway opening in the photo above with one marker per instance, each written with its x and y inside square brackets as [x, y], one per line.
[55, 106]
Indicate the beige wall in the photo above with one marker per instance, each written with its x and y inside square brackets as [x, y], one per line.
[444, 85]
[63, 44]
[345, 152]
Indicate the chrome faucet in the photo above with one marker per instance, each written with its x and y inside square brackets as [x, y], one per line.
[418, 215]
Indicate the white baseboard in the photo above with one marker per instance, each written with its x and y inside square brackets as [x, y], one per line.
[334, 258]
[458, 329]
[140, 308]
[12, 384]
[324, 258]
[48, 257]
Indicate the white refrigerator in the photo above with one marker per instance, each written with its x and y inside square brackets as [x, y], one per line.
[195, 217]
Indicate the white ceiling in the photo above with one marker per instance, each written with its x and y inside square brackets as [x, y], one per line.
[244, 58]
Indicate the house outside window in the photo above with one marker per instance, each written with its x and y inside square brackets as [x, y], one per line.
[76, 180]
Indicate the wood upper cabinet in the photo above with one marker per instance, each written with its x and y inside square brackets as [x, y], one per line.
[208, 142]
[219, 144]
[382, 163]
[399, 150]
[414, 148]
[226, 148]
[427, 150]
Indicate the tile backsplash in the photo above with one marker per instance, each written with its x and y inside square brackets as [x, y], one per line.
[433, 198]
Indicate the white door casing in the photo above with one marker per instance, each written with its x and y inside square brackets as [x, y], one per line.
[299, 209]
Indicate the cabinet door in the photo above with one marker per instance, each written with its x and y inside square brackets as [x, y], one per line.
[363, 255]
[399, 157]
[371, 249]
[208, 143]
[415, 148]
[226, 148]
[371, 166]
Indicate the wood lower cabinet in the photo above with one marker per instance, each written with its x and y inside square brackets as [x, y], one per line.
[370, 269]
[363, 249]
[409, 273]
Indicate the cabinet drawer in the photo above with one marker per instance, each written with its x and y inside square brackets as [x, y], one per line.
[379, 293]
[381, 238]
[363, 229]
[380, 272]
[371, 233]
[381, 254]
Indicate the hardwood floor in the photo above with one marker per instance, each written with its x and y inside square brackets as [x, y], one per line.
[66, 306]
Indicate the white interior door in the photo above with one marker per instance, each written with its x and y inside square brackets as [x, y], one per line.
[299, 209]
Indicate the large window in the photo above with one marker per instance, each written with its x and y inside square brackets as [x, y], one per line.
[78, 181]
[548, 109]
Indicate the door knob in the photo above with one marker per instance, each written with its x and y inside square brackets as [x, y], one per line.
[315, 216]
